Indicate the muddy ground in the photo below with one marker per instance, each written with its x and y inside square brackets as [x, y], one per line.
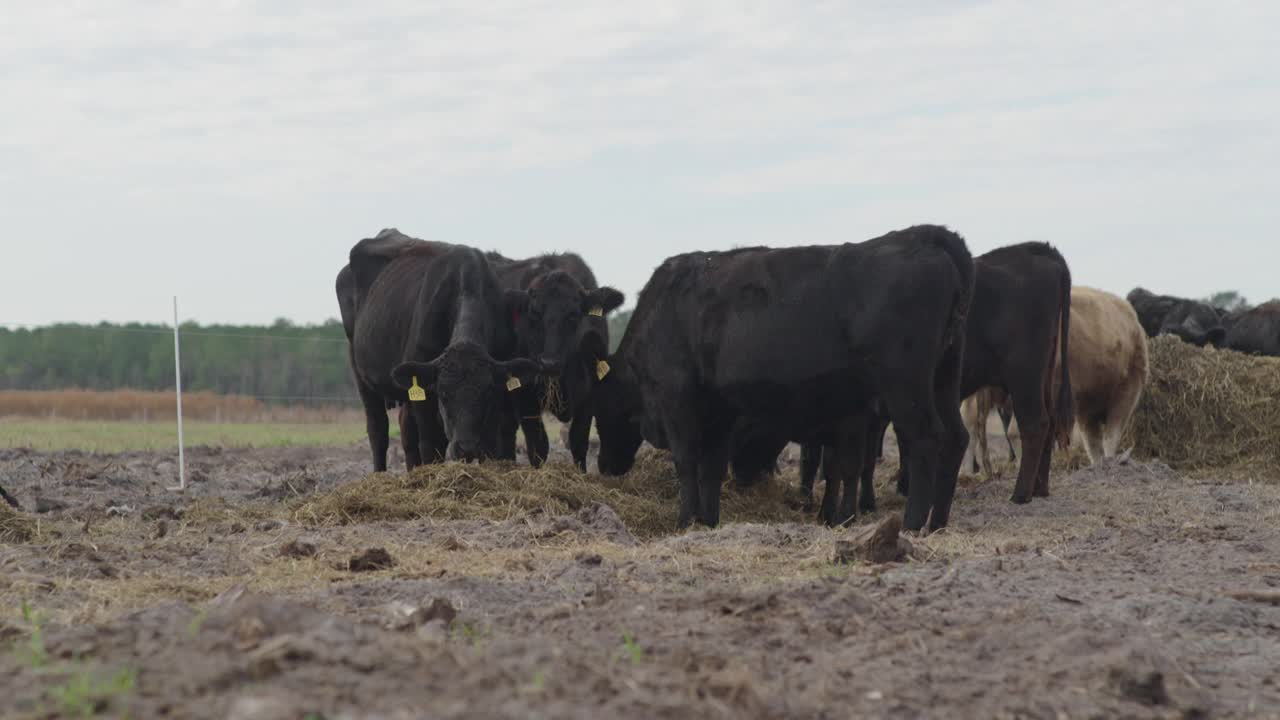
[1133, 591]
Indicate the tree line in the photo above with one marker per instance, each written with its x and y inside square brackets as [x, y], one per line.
[278, 360]
[281, 360]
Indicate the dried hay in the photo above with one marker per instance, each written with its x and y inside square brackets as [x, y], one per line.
[16, 527]
[1209, 409]
[647, 498]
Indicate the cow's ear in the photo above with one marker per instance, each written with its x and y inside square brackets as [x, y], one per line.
[517, 302]
[602, 300]
[425, 373]
[515, 374]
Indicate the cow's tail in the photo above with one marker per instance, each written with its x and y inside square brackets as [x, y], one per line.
[954, 245]
[1064, 407]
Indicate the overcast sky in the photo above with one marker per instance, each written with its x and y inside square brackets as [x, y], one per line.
[232, 152]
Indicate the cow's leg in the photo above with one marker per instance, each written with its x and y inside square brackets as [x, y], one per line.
[915, 419]
[1092, 431]
[877, 423]
[850, 464]
[376, 425]
[433, 444]
[810, 460]
[536, 443]
[1006, 415]
[508, 423]
[969, 411]
[683, 434]
[713, 467]
[829, 511]
[1046, 453]
[1032, 414]
[409, 438]
[904, 480]
[1118, 414]
[580, 437]
[953, 435]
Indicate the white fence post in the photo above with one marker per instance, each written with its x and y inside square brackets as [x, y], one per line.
[177, 377]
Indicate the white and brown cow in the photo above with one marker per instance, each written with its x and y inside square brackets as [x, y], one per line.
[1107, 357]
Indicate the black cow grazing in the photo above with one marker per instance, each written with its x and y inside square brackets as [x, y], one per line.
[1017, 331]
[1195, 322]
[799, 341]
[1255, 331]
[431, 318]
[563, 325]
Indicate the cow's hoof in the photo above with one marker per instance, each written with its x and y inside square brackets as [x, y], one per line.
[867, 507]
[1020, 499]
[1041, 493]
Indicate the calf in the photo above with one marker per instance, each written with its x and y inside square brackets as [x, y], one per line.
[564, 325]
[799, 341]
[1195, 322]
[975, 410]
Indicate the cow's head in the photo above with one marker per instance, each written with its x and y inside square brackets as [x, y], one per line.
[550, 316]
[471, 389]
[617, 411]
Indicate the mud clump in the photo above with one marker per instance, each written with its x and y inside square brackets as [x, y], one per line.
[877, 545]
[1146, 688]
[371, 560]
[299, 549]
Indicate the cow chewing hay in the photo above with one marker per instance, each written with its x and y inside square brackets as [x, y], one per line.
[1208, 409]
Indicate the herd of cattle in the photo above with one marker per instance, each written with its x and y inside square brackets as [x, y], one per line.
[729, 356]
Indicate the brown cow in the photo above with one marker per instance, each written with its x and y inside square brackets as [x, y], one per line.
[975, 410]
[1107, 359]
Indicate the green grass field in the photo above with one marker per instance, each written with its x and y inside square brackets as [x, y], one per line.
[103, 436]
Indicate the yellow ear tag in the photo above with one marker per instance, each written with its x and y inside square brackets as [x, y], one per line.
[602, 369]
[416, 394]
[513, 383]
[596, 311]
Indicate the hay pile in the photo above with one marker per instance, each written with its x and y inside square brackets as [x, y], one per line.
[647, 498]
[16, 527]
[1209, 409]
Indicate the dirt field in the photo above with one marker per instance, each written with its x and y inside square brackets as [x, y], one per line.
[1132, 592]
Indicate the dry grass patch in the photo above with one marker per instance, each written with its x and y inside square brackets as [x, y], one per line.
[1209, 409]
[646, 499]
[16, 526]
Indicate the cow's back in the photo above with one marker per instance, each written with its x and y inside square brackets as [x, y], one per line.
[384, 322]
[1107, 349]
[1257, 330]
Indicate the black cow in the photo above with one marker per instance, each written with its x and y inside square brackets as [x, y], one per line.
[563, 325]
[799, 341]
[1195, 322]
[1255, 331]
[1016, 333]
[434, 316]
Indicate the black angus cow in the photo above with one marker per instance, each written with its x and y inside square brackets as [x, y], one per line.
[545, 322]
[431, 315]
[1255, 331]
[563, 325]
[1016, 333]
[1195, 322]
[797, 341]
